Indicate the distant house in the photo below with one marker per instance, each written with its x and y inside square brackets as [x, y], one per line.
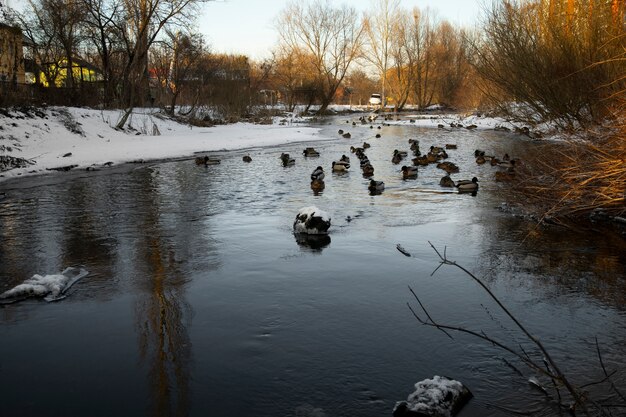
[11, 54]
[82, 72]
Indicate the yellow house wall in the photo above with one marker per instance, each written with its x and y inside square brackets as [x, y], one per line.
[11, 58]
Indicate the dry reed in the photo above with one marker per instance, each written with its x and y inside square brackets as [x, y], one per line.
[571, 179]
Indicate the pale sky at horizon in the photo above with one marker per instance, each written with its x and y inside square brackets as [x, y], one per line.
[247, 26]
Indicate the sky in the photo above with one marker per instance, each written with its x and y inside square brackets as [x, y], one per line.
[247, 26]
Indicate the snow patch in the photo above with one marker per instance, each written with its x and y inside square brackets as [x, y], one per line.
[51, 287]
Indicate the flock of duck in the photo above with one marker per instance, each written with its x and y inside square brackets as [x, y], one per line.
[435, 155]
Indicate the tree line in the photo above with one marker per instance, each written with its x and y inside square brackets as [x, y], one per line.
[558, 60]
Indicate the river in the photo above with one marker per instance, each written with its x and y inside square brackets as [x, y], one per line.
[200, 301]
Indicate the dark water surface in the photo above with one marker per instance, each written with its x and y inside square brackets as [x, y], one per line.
[200, 301]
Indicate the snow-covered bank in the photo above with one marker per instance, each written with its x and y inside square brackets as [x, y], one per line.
[59, 138]
[84, 138]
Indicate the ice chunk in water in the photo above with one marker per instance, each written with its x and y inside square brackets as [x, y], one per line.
[51, 287]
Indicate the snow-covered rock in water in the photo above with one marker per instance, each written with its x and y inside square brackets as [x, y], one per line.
[312, 221]
[51, 287]
[436, 397]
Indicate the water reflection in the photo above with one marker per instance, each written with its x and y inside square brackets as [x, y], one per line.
[314, 243]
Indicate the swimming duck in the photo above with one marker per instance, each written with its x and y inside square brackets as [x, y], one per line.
[409, 172]
[347, 135]
[378, 134]
[340, 131]
[396, 159]
[480, 159]
[344, 159]
[375, 186]
[466, 186]
[317, 174]
[310, 152]
[287, 161]
[205, 160]
[420, 160]
[340, 166]
[450, 146]
[247, 158]
[317, 186]
[446, 181]
[449, 167]
[368, 170]
[366, 145]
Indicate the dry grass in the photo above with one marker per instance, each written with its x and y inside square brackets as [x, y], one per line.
[569, 180]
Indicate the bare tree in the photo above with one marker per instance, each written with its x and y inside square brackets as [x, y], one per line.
[379, 27]
[100, 30]
[52, 26]
[144, 21]
[332, 36]
[419, 49]
[174, 60]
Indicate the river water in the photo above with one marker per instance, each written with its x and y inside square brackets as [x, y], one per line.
[200, 301]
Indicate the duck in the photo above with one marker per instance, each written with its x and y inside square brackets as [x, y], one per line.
[310, 152]
[446, 181]
[340, 131]
[368, 170]
[340, 166]
[510, 165]
[467, 186]
[478, 153]
[396, 159]
[502, 176]
[287, 161]
[450, 146]
[344, 159]
[420, 160]
[247, 158]
[366, 145]
[317, 185]
[409, 172]
[375, 186]
[378, 134]
[347, 135]
[436, 150]
[449, 167]
[205, 160]
[480, 159]
[317, 174]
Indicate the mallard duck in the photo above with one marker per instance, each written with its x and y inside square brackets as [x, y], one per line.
[375, 186]
[287, 161]
[502, 176]
[449, 167]
[340, 166]
[435, 150]
[378, 134]
[201, 160]
[347, 135]
[368, 170]
[310, 152]
[409, 172]
[366, 145]
[340, 131]
[478, 153]
[466, 186]
[247, 158]
[420, 160]
[364, 161]
[396, 159]
[480, 159]
[344, 159]
[510, 165]
[205, 160]
[317, 185]
[317, 174]
[450, 146]
[446, 181]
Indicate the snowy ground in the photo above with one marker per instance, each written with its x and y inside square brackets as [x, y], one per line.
[85, 139]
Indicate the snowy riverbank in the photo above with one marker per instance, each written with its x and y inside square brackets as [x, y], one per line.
[55, 138]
